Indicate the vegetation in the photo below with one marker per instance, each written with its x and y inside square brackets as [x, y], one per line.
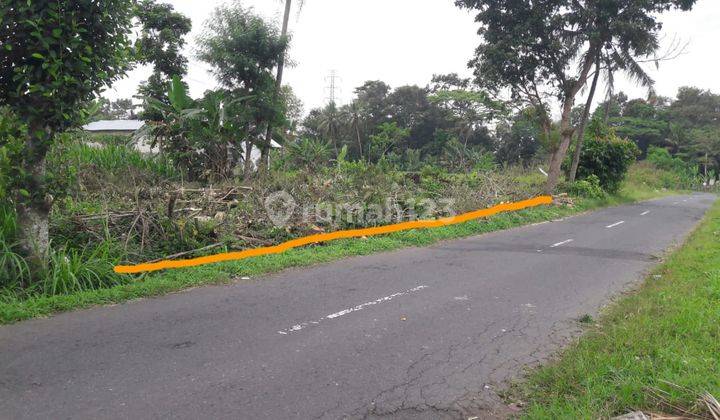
[161, 39]
[531, 48]
[56, 56]
[656, 350]
[390, 155]
[16, 306]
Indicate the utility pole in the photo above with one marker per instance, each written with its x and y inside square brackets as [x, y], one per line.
[265, 152]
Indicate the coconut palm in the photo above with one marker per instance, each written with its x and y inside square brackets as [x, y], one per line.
[330, 123]
[353, 116]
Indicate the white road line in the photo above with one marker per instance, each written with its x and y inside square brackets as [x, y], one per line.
[645, 213]
[562, 243]
[298, 327]
[615, 224]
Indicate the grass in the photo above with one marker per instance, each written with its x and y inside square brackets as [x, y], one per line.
[73, 277]
[115, 158]
[657, 350]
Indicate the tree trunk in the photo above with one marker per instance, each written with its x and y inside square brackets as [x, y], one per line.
[360, 146]
[33, 211]
[583, 124]
[265, 147]
[248, 159]
[33, 223]
[556, 161]
[566, 131]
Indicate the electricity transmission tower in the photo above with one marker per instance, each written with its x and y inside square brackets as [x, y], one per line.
[332, 87]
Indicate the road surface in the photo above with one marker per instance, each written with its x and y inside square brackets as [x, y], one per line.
[416, 333]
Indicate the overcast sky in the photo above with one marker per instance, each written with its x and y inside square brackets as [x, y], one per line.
[407, 41]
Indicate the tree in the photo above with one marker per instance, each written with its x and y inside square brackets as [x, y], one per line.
[518, 139]
[467, 108]
[533, 47]
[120, 109]
[583, 121]
[353, 116]
[265, 147]
[160, 42]
[330, 123]
[243, 50]
[56, 56]
[388, 136]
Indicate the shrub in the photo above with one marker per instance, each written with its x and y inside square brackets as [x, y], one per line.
[588, 188]
[608, 158]
[308, 153]
[12, 134]
[685, 174]
[72, 270]
[111, 158]
[14, 272]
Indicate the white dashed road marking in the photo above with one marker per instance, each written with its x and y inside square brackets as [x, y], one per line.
[645, 213]
[615, 224]
[344, 312]
[561, 243]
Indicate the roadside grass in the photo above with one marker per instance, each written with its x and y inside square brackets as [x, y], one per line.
[656, 350]
[13, 309]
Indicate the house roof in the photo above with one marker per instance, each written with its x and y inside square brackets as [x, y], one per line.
[114, 125]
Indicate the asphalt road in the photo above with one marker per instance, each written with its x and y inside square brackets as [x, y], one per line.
[416, 333]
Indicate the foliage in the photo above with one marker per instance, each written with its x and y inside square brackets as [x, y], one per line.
[608, 159]
[388, 136]
[14, 271]
[105, 109]
[160, 42]
[308, 153]
[112, 159]
[12, 139]
[243, 49]
[588, 188]
[533, 48]
[56, 56]
[201, 137]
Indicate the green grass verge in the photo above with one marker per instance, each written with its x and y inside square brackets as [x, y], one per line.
[156, 284]
[657, 350]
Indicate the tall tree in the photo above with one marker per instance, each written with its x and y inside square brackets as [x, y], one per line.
[583, 122]
[330, 123]
[546, 50]
[353, 115]
[265, 147]
[56, 56]
[160, 43]
[243, 50]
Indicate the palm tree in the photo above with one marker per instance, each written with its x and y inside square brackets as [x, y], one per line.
[614, 59]
[353, 116]
[330, 124]
[265, 152]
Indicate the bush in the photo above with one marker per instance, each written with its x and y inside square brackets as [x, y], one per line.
[588, 188]
[683, 174]
[12, 135]
[608, 158]
[14, 272]
[110, 158]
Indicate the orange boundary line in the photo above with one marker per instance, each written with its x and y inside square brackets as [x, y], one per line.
[327, 237]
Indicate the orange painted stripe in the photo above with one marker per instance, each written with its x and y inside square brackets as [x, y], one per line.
[327, 237]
